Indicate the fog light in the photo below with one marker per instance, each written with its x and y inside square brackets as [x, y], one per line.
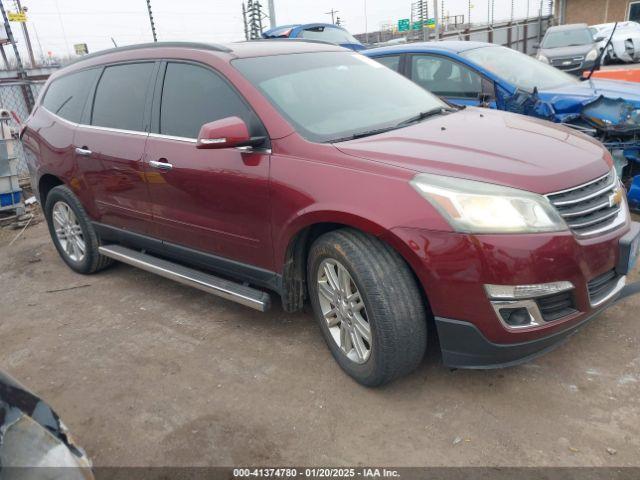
[515, 317]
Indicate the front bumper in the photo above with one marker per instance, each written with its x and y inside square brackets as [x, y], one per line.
[454, 270]
[464, 346]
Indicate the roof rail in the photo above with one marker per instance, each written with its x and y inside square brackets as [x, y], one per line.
[286, 39]
[196, 45]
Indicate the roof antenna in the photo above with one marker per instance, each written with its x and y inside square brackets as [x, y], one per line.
[114, 42]
[599, 59]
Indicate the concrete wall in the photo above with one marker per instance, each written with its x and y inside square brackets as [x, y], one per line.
[594, 11]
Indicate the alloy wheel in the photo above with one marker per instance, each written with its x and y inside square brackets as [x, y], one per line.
[344, 311]
[68, 231]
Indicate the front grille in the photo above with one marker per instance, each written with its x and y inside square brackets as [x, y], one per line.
[570, 63]
[556, 306]
[602, 286]
[592, 208]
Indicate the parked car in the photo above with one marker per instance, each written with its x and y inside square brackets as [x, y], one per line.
[484, 74]
[571, 48]
[316, 173]
[326, 32]
[34, 443]
[625, 44]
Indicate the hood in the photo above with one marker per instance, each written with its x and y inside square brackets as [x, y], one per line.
[607, 105]
[596, 87]
[572, 51]
[490, 146]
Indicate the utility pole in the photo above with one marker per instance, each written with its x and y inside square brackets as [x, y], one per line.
[244, 21]
[25, 32]
[332, 13]
[26, 89]
[153, 25]
[435, 19]
[272, 14]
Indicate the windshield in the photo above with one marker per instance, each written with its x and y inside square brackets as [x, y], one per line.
[568, 38]
[523, 71]
[329, 96]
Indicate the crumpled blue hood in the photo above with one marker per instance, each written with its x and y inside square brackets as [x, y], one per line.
[600, 97]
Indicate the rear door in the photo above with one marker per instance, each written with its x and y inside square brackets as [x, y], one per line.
[110, 144]
[214, 201]
[451, 80]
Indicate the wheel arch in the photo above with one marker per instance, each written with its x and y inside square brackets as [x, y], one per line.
[45, 184]
[293, 257]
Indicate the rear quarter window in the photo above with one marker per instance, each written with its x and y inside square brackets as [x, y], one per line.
[390, 61]
[66, 96]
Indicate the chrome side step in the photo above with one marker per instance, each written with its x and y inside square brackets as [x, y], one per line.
[247, 296]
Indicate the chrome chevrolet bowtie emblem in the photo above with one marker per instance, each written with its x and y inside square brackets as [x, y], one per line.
[615, 198]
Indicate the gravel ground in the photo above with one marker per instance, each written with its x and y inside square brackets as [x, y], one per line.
[148, 372]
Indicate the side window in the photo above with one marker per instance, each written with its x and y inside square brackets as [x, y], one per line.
[121, 96]
[634, 12]
[67, 95]
[194, 95]
[390, 61]
[445, 77]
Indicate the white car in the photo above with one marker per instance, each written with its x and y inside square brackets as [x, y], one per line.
[625, 45]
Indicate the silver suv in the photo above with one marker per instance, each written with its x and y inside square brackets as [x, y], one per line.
[571, 48]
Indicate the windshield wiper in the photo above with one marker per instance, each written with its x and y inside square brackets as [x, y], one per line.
[426, 114]
[366, 133]
[414, 119]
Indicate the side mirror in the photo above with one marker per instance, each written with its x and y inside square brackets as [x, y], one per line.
[226, 133]
[536, 46]
[600, 39]
[485, 99]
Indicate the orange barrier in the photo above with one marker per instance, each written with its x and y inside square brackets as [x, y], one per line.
[630, 75]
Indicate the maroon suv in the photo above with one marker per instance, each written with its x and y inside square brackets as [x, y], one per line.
[314, 172]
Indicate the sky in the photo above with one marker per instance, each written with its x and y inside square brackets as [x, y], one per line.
[56, 25]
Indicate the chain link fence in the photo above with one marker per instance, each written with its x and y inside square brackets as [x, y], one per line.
[13, 97]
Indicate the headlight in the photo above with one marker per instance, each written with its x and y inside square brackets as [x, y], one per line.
[542, 58]
[592, 55]
[478, 207]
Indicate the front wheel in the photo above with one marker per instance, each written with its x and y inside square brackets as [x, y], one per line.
[368, 306]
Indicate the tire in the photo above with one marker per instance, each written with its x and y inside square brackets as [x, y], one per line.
[77, 225]
[392, 306]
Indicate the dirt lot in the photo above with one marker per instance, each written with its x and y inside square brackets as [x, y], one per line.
[148, 372]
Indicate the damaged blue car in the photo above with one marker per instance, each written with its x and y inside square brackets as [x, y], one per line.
[487, 75]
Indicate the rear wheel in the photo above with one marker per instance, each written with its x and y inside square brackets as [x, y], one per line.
[72, 233]
[368, 306]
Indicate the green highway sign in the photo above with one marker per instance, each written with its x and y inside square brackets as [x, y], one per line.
[404, 24]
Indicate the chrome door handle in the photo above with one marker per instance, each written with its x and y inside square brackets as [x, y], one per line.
[83, 152]
[160, 165]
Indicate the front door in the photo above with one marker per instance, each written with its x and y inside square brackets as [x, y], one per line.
[213, 201]
[455, 82]
[110, 144]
